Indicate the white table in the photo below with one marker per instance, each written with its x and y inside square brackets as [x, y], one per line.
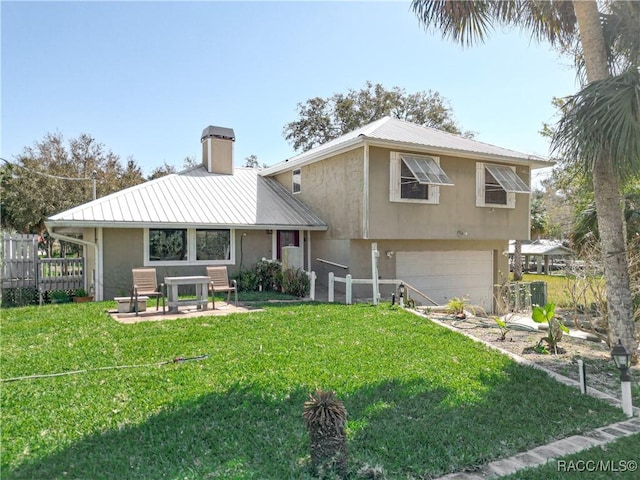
[201, 300]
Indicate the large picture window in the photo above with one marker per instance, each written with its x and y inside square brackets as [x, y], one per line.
[213, 245]
[180, 246]
[167, 245]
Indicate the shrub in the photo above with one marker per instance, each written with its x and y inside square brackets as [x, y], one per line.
[295, 282]
[247, 281]
[269, 275]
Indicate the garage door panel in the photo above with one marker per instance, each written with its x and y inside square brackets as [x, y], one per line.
[442, 275]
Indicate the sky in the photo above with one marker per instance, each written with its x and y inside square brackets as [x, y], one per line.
[145, 78]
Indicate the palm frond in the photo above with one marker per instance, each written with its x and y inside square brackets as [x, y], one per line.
[603, 119]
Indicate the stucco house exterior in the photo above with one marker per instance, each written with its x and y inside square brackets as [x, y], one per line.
[441, 208]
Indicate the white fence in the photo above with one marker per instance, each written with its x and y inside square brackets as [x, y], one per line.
[349, 281]
[22, 268]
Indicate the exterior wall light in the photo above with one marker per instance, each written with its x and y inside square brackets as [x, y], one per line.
[622, 359]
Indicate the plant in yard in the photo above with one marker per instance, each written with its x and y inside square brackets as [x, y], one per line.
[59, 296]
[504, 328]
[546, 315]
[456, 307]
[326, 417]
[295, 282]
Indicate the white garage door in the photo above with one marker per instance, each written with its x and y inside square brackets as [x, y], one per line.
[444, 275]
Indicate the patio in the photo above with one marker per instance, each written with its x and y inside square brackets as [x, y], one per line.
[190, 311]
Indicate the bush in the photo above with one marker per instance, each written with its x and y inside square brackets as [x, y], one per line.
[247, 281]
[295, 282]
[269, 275]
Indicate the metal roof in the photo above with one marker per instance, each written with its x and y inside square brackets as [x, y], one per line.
[197, 198]
[219, 132]
[401, 134]
[541, 248]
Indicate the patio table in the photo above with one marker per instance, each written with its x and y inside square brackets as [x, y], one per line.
[201, 300]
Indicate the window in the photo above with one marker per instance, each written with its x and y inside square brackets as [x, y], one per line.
[213, 245]
[497, 185]
[296, 178]
[182, 246]
[167, 245]
[287, 238]
[416, 179]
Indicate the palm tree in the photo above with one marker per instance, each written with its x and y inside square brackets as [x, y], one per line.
[604, 43]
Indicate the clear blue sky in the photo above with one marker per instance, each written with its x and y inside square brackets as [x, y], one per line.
[145, 78]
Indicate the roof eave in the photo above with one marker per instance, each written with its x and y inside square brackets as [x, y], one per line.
[53, 224]
[313, 157]
[533, 161]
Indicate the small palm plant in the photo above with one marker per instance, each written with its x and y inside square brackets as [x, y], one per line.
[326, 417]
[546, 314]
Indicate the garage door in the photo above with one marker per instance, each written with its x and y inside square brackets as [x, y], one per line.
[444, 275]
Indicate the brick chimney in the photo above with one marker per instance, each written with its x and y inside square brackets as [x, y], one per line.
[217, 149]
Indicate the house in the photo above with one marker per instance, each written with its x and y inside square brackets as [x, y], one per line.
[441, 208]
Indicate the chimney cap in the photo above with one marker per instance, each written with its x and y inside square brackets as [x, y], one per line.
[218, 132]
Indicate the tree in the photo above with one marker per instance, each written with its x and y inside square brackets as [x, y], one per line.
[252, 162]
[51, 177]
[323, 119]
[161, 171]
[602, 50]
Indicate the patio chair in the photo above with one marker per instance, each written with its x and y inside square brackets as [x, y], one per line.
[219, 282]
[145, 283]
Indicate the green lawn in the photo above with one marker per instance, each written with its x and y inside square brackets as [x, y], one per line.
[557, 288]
[422, 400]
[617, 460]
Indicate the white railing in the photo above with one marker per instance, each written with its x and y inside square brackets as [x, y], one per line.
[349, 281]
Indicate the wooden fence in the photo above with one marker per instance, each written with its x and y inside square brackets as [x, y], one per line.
[22, 268]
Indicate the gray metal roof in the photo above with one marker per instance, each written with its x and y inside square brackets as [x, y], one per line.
[401, 134]
[197, 198]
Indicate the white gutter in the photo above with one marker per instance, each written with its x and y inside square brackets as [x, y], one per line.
[97, 288]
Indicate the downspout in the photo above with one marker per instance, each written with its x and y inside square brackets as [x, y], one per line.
[365, 194]
[85, 243]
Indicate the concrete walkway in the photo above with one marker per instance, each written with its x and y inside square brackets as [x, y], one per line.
[554, 450]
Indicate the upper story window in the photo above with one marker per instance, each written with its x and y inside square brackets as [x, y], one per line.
[296, 179]
[416, 179]
[183, 246]
[497, 185]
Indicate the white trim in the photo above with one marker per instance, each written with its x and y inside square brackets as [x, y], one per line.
[365, 200]
[191, 249]
[308, 242]
[274, 244]
[480, 189]
[395, 179]
[98, 290]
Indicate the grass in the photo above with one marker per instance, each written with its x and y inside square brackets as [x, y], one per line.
[618, 459]
[557, 288]
[422, 400]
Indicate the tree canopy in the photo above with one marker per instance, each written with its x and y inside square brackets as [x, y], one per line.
[51, 176]
[323, 119]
